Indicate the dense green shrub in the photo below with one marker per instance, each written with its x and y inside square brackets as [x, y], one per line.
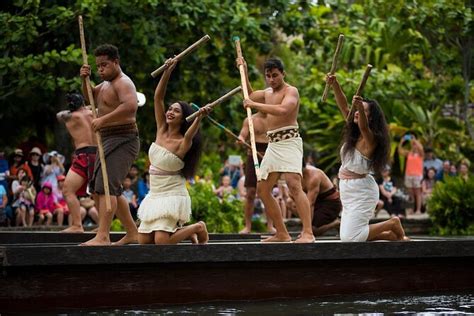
[451, 207]
[224, 216]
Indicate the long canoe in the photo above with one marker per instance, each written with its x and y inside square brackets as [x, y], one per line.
[62, 276]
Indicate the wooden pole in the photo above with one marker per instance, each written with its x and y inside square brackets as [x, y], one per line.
[364, 80]
[100, 148]
[340, 42]
[225, 129]
[183, 54]
[243, 80]
[224, 98]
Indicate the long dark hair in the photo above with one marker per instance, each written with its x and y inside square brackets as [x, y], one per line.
[191, 158]
[378, 126]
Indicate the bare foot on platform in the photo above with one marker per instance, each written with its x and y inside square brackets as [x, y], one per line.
[127, 240]
[194, 239]
[245, 231]
[97, 241]
[73, 229]
[405, 238]
[202, 234]
[305, 238]
[278, 238]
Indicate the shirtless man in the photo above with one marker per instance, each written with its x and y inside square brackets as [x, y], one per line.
[261, 141]
[116, 98]
[78, 121]
[280, 101]
[323, 198]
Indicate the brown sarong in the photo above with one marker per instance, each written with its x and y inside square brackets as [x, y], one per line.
[326, 207]
[121, 145]
[250, 176]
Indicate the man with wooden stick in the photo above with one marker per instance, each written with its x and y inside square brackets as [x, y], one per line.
[280, 101]
[116, 98]
[78, 121]
[261, 142]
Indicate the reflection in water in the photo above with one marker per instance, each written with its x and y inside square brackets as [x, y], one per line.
[421, 304]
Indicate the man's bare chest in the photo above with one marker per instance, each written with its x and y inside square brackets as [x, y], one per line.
[107, 96]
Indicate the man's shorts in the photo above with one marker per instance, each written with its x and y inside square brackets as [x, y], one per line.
[83, 164]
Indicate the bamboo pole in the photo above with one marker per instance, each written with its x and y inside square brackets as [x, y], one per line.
[364, 80]
[225, 129]
[211, 105]
[340, 42]
[100, 148]
[183, 54]
[243, 80]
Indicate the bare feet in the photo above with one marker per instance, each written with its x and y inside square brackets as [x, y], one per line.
[97, 241]
[194, 239]
[127, 240]
[305, 238]
[202, 234]
[278, 238]
[271, 230]
[397, 228]
[405, 238]
[73, 229]
[245, 231]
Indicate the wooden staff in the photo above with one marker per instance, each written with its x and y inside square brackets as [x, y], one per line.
[340, 41]
[364, 80]
[211, 105]
[225, 129]
[361, 87]
[103, 166]
[183, 54]
[243, 79]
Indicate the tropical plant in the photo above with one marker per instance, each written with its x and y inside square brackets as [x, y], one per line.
[451, 207]
[221, 216]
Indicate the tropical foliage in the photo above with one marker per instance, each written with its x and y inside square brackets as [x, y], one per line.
[451, 207]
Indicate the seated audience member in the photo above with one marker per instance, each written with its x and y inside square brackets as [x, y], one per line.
[24, 194]
[134, 177]
[445, 171]
[453, 170]
[60, 209]
[88, 208]
[427, 185]
[388, 190]
[143, 186]
[225, 190]
[17, 163]
[3, 205]
[431, 161]
[130, 196]
[464, 170]
[45, 203]
[4, 169]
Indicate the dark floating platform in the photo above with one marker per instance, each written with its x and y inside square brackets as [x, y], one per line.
[49, 272]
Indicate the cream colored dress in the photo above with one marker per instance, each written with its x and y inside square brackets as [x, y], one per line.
[359, 198]
[167, 205]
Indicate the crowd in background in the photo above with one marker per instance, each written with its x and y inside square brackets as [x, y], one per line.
[31, 186]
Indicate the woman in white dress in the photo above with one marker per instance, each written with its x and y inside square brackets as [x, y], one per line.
[173, 156]
[365, 149]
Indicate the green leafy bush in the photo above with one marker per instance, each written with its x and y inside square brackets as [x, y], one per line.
[224, 216]
[451, 207]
